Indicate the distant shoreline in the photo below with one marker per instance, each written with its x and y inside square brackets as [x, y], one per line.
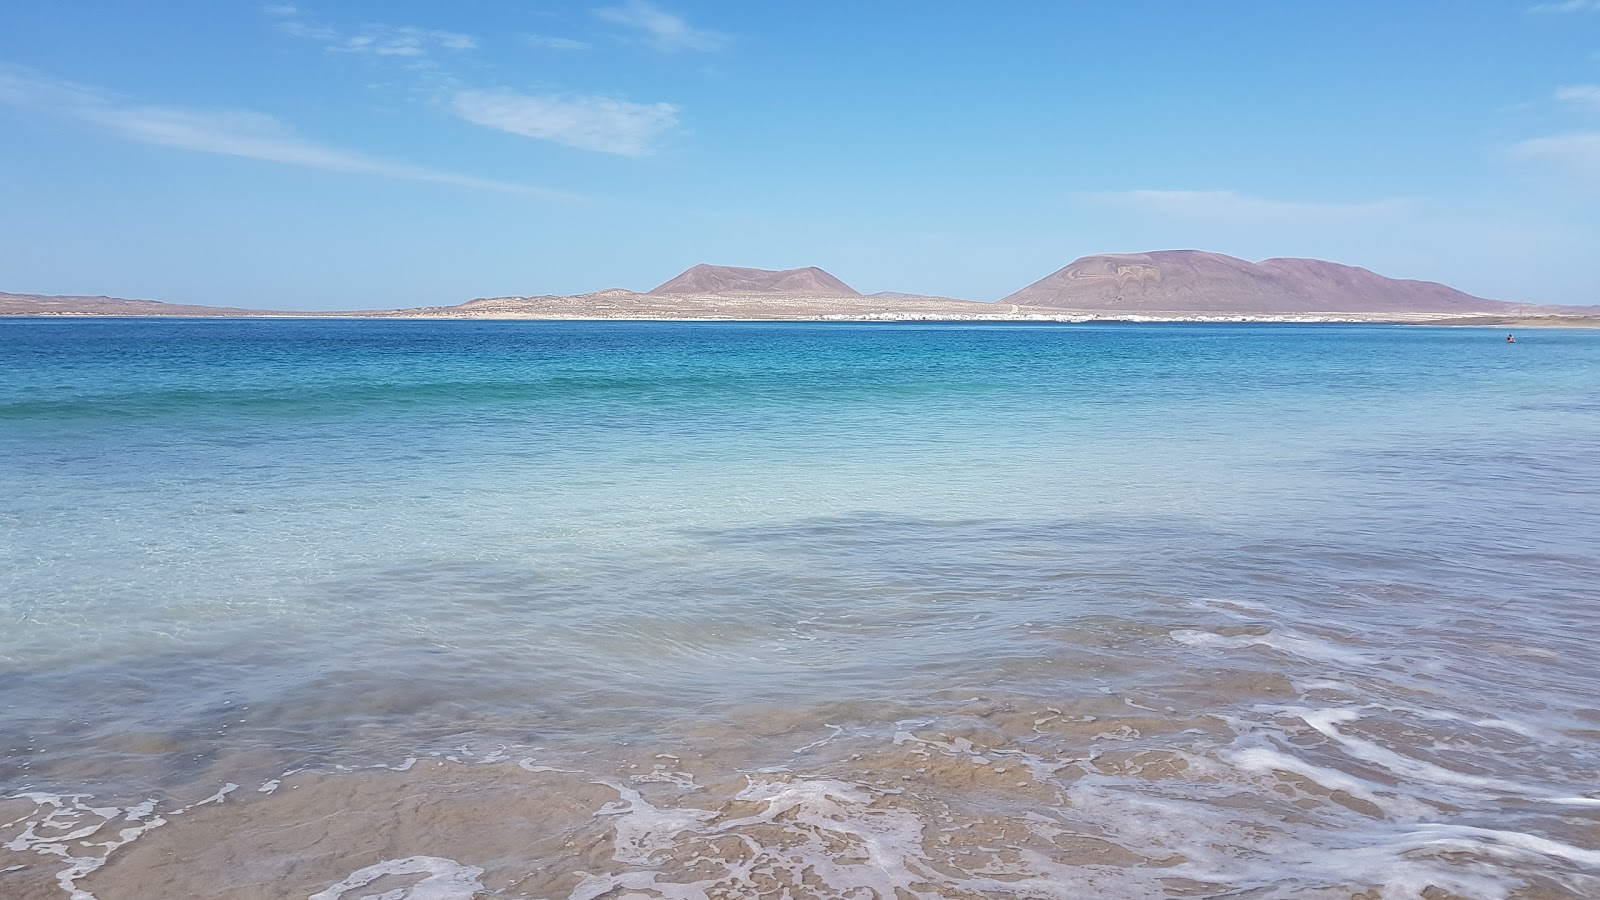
[1485, 321]
[1158, 286]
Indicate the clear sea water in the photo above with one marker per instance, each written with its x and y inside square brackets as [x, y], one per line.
[440, 610]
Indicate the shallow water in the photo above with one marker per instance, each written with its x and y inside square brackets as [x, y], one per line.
[441, 610]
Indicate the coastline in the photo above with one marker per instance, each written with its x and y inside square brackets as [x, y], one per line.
[746, 306]
[617, 305]
[1053, 318]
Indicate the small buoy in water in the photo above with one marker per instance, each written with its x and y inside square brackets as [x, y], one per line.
[1511, 339]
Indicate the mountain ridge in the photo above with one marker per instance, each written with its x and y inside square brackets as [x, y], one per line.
[1197, 281]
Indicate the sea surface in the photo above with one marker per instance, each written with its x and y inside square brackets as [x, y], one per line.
[442, 610]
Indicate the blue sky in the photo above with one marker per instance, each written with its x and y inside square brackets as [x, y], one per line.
[323, 155]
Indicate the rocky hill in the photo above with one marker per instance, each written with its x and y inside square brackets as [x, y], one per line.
[1193, 281]
[708, 279]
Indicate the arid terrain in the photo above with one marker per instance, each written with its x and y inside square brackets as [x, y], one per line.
[1199, 282]
[708, 279]
[47, 305]
[1172, 285]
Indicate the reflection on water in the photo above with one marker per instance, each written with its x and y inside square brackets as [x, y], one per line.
[343, 610]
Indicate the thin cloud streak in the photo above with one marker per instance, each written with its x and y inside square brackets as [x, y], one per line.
[1581, 94]
[1578, 153]
[1566, 6]
[382, 40]
[665, 30]
[388, 40]
[239, 133]
[1236, 207]
[371, 40]
[588, 123]
[547, 42]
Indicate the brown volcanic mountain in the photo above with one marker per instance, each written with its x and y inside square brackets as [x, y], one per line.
[1195, 281]
[708, 279]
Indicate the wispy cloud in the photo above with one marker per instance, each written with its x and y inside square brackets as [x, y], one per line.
[239, 133]
[589, 123]
[1581, 94]
[370, 40]
[1577, 153]
[388, 40]
[665, 30]
[1566, 6]
[382, 40]
[547, 42]
[1236, 207]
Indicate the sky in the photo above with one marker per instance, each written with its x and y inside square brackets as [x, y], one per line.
[338, 155]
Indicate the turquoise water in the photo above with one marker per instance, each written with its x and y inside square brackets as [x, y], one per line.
[1152, 610]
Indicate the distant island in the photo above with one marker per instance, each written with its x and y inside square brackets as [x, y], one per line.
[1165, 285]
[1173, 281]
